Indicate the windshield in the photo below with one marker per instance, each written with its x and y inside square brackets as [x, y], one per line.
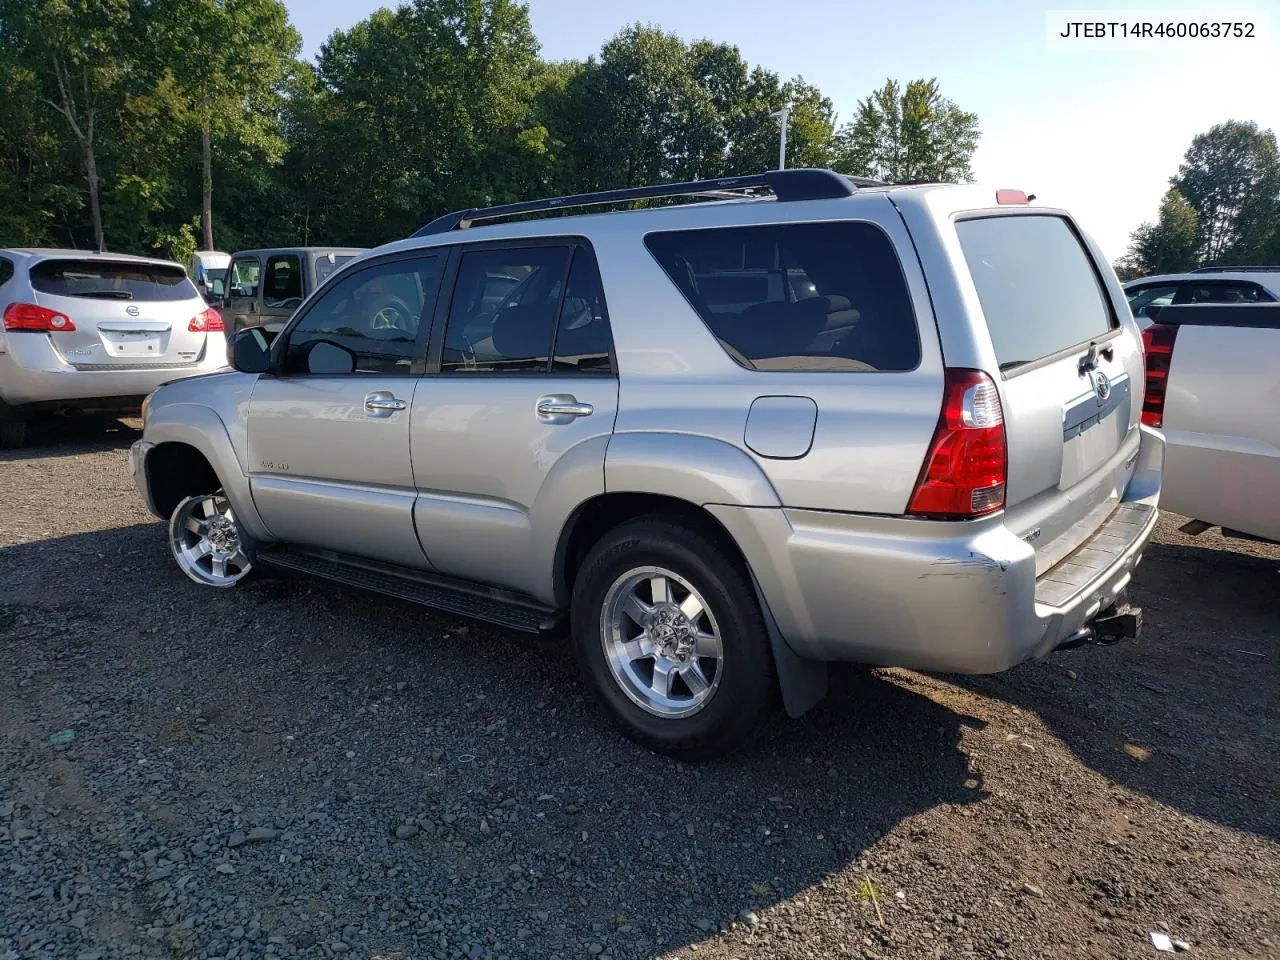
[104, 280]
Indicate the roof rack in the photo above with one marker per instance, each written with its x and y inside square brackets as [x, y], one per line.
[799, 183]
[1251, 269]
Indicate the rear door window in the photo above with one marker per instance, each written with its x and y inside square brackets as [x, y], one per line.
[98, 280]
[503, 312]
[282, 285]
[1038, 287]
[797, 296]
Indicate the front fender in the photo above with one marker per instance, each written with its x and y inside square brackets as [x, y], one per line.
[700, 470]
[200, 427]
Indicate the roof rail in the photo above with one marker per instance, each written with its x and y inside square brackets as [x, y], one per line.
[799, 183]
[1250, 269]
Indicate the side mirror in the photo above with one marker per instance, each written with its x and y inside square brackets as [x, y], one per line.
[250, 351]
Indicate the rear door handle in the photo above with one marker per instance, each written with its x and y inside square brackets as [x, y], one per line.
[382, 404]
[558, 406]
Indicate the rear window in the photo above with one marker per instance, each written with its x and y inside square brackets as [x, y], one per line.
[324, 269]
[1038, 287]
[112, 281]
[797, 296]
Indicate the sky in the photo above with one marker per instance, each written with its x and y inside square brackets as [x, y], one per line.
[1098, 132]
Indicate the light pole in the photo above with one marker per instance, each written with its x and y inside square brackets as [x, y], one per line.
[783, 116]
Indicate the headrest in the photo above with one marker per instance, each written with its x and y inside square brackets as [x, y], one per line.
[523, 332]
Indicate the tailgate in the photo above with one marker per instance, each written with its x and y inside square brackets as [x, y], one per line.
[126, 314]
[1072, 377]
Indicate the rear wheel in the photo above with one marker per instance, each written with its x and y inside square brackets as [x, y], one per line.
[208, 543]
[13, 429]
[670, 639]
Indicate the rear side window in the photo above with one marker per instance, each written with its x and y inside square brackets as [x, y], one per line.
[324, 267]
[797, 297]
[6, 271]
[144, 282]
[1038, 288]
[1221, 291]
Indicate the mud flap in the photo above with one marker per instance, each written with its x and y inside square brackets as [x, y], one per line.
[803, 682]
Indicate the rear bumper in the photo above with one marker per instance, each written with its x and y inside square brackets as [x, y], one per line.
[955, 598]
[32, 373]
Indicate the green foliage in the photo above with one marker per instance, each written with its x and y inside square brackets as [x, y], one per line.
[1223, 206]
[1169, 244]
[909, 134]
[1231, 177]
[201, 114]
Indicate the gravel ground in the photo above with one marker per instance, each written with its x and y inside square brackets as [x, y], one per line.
[292, 770]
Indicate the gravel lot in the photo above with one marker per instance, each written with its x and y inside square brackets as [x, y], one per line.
[293, 770]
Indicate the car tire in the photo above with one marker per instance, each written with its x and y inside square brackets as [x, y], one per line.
[208, 543]
[14, 428]
[652, 663]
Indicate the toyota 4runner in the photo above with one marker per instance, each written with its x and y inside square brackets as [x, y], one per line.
[805, 418]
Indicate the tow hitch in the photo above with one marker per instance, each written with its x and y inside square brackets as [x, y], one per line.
[1120, 621]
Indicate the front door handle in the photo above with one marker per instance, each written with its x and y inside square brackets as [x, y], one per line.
[558, 406]
[383, 404]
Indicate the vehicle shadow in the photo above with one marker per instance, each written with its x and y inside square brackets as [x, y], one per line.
[486, 743]
[1188, 713]
[74, 434]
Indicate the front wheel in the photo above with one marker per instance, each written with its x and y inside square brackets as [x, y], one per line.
[207, 542]
[670, 639]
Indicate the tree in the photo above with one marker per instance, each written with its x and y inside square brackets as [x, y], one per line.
[77, 55]
[423, 110]
[1231, 178]
[1169, 244]
[224, 62]
[909, 134]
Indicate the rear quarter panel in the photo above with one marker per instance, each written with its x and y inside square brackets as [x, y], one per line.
[872, 429]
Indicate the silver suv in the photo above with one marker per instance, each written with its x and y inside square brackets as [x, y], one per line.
[98, 330]
[809, 418]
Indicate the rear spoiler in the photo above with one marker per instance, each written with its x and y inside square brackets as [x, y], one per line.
[1265, 316]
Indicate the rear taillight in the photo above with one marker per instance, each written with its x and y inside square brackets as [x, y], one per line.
[1157, 343]
[208, 322]
[33, 318]
[965, 472]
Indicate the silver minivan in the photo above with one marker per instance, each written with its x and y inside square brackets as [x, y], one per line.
[96, 330]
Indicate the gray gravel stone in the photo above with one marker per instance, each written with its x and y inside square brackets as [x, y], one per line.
[899, 779]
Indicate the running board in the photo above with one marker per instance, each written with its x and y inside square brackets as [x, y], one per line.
[503, 608]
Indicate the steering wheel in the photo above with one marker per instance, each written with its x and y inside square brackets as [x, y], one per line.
[390, 313]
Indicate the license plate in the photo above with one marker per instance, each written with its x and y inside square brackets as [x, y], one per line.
[140, 344]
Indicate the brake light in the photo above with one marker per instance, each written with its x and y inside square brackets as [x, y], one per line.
[965, 472]
[1157, 344]
[33, 318]
[208, 322]
[1012, 196]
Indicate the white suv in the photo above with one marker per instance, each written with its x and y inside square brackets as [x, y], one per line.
[96, 330]
[1206, 285]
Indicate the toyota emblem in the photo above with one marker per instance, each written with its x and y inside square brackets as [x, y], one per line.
[131, 310]
[1101, 385]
